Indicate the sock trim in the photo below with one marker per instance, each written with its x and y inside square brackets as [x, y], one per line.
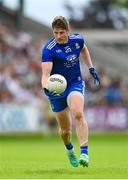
[69, 146]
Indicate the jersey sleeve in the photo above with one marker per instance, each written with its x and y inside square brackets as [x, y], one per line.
[46, 56]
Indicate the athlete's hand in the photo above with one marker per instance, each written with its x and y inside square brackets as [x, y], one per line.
[95, 75]
[50, 93]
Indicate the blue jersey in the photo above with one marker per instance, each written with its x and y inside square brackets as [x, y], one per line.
[65, 57]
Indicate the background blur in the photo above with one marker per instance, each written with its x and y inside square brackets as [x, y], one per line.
[25, 27]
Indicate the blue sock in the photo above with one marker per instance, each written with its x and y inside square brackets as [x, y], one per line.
[84, 149]
[69, 146]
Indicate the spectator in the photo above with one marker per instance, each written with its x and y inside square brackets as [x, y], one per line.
[113, 94]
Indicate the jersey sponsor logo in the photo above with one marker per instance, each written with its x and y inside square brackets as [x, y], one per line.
[71, 60]
[71, 57]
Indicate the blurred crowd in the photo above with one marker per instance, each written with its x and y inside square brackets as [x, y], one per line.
[20, 74]
[20, 69]
[113, 91]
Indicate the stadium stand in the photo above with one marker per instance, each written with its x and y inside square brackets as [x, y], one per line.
[9, 18]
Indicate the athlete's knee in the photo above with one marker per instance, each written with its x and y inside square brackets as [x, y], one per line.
[64, 132]
[78, 115]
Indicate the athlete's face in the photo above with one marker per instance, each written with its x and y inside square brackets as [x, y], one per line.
[61, 35]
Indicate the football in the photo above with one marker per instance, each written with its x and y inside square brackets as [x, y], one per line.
[56, 82]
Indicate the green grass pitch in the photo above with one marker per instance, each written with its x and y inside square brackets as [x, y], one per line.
[44, 157]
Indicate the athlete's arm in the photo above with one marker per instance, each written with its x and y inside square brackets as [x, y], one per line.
[86, 56]
[46, 70]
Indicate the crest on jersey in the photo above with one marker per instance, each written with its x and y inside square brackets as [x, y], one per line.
[67, 49]
[77, 46]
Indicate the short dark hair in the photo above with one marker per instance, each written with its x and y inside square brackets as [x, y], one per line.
[60, 22]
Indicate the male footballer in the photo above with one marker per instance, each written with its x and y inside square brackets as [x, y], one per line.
[60, 55]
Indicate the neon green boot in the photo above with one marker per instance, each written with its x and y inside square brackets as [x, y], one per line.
[84, 160]
[72, 157]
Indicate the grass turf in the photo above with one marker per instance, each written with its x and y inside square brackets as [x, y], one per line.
[37, 156]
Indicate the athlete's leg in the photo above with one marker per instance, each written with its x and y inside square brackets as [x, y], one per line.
[76, 105]
[64, 125]
[65, 133]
